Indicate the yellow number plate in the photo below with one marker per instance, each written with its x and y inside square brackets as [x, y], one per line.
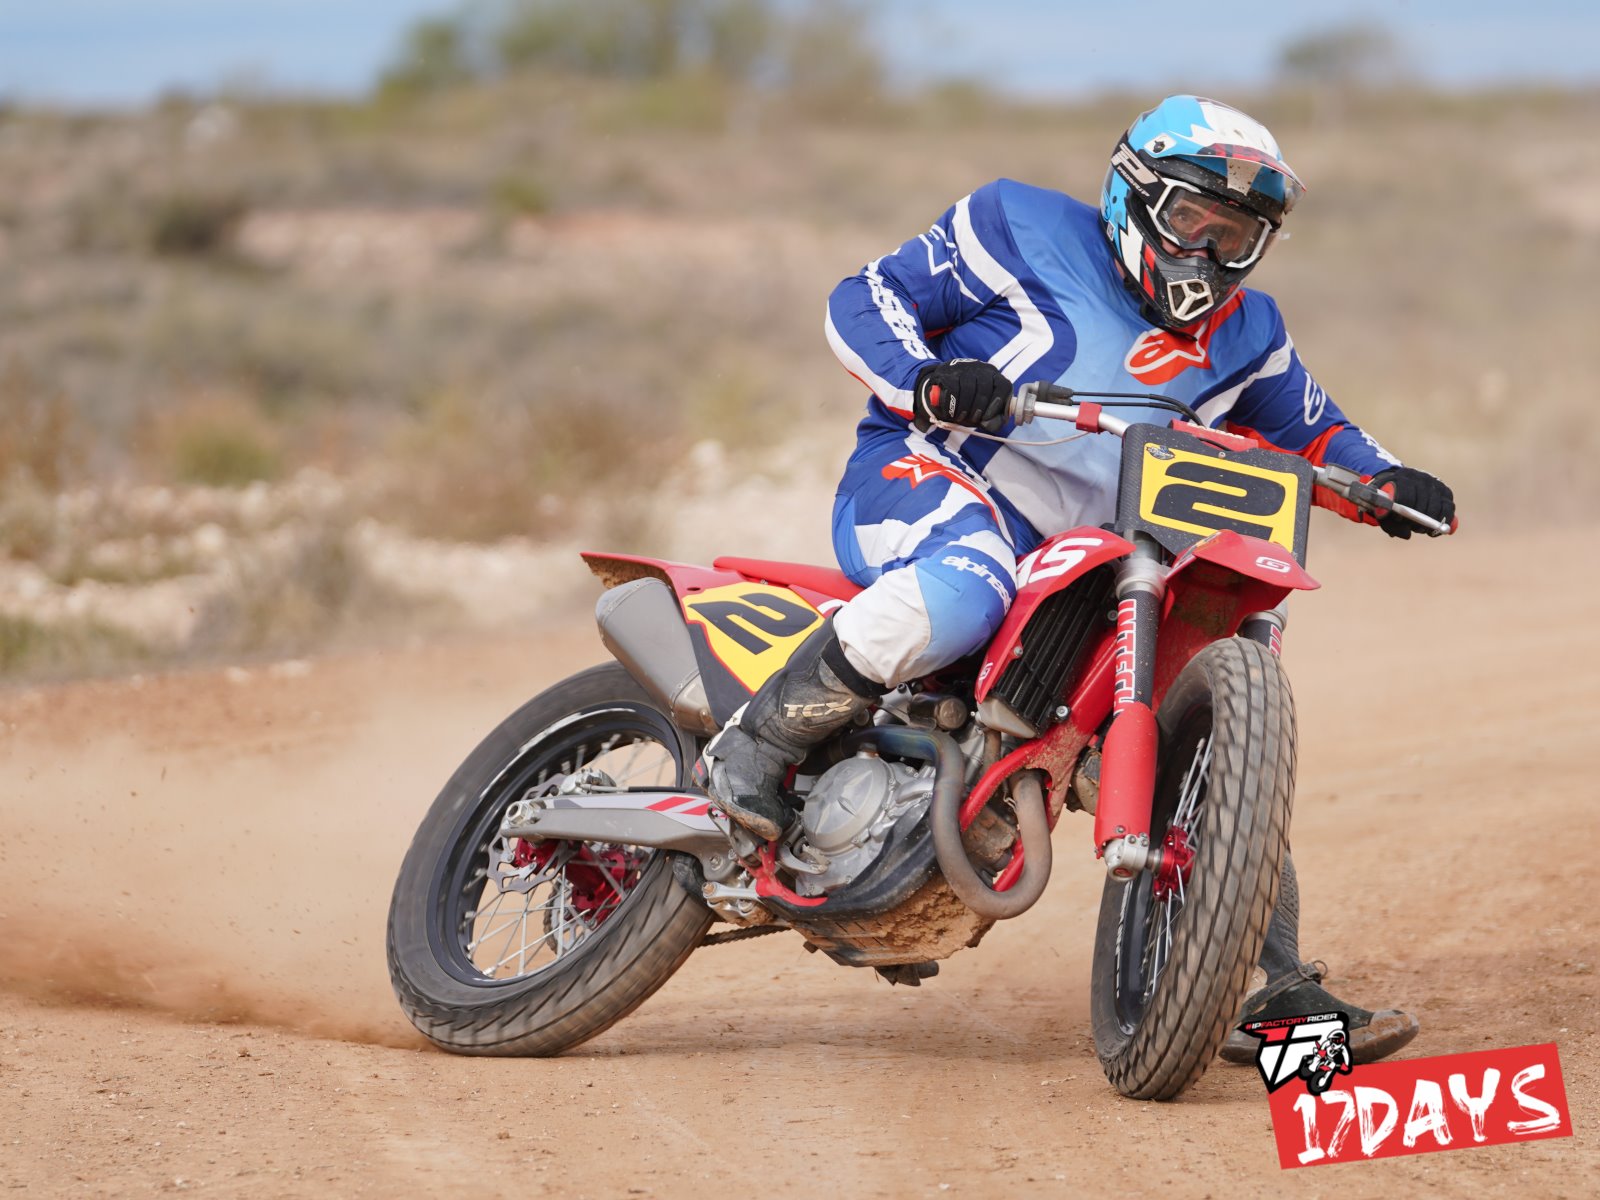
[752, 627]
[1200, 493]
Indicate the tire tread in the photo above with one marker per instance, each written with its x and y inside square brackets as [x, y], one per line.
[1233, 887]
[621, 967]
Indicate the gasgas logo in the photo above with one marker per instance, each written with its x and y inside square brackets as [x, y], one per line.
[1159, 355]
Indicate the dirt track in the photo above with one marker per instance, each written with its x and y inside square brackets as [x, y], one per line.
[194, 874]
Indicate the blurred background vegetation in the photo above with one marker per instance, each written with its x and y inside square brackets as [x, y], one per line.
[563, 250]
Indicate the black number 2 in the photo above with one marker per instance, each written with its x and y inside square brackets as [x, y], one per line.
[771, 614]
[1180, 502]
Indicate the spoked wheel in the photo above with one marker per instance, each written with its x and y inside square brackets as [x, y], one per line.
[546, 898]
[504, 946]
[1175, 946]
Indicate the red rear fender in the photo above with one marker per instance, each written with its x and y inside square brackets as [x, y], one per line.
[827, 581]
[612, 570]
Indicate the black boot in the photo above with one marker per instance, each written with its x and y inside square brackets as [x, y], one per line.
[814, 695]
[1293, 988]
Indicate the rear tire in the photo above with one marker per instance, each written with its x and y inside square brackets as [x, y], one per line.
[1171, 970]
[624, 948]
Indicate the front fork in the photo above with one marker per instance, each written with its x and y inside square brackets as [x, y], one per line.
[1128, 757]
[1267, 627]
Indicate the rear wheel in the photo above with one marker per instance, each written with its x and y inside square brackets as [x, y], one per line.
[503, 946]
[1175, 947]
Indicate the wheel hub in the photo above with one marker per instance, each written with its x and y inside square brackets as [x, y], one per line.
[1177, 860]
[596, 879]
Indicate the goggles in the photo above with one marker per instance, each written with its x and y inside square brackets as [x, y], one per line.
[1193, 220]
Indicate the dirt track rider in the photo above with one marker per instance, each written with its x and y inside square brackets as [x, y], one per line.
[890, 746]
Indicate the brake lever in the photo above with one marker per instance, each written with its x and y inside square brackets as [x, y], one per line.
[1342, 481]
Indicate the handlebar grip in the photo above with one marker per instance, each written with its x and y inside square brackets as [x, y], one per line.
[1376, 502]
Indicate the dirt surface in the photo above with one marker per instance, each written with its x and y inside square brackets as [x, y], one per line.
[194, 871]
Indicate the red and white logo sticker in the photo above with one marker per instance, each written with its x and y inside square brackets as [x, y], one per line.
[1160, 356]
[1414, 1106]
[1054, 558]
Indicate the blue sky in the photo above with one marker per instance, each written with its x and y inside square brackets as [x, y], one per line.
[127, 51]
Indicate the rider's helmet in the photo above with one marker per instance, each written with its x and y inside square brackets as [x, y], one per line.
[1336, 1038]
[1195, 193]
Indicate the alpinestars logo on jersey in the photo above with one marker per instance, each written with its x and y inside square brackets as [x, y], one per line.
[916, 469]
[1312, 1048]
[1159, 356]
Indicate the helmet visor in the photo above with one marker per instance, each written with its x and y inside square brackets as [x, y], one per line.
[1193, 220]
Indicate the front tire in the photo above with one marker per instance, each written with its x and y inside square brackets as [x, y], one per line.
[1174, 949]
[599, 929]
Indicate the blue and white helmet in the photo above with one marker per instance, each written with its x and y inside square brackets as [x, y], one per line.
[1195, 194]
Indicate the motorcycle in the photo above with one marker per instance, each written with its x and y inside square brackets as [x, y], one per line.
[570, 865]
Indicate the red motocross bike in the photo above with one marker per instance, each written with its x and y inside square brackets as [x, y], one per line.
[569, 866]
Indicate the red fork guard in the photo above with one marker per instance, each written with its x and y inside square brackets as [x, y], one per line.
[1127, 776]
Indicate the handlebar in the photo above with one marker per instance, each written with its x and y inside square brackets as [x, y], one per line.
[1342, 481]
[1053, 402]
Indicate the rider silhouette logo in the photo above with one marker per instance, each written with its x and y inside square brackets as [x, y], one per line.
[1312, 1048]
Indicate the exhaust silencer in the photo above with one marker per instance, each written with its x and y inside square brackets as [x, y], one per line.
[642, 625]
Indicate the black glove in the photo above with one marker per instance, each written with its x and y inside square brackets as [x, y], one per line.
[1418, 490]
[966, 391]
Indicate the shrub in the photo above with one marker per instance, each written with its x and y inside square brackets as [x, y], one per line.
[41, 438]
[193, 224]
[218, 445]
[474, 470]
[520, 195]
[34, 647]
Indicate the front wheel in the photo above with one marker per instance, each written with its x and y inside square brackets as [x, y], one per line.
[1175, 947]
[509, 947]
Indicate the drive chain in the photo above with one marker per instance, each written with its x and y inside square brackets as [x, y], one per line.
[739, 935]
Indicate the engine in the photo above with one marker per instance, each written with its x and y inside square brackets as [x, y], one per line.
[849, 815]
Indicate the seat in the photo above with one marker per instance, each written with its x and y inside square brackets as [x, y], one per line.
[827, 580]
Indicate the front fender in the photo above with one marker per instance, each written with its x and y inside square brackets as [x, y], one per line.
[1251, 557]
[1212, 587]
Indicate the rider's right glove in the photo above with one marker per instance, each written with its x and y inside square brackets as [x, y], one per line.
[1415, 489]
[964, 391]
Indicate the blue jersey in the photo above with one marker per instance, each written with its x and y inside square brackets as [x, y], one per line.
[1023, 278]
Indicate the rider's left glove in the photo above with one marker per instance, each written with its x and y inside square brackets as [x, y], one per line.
[1415, 489]
[964, 391]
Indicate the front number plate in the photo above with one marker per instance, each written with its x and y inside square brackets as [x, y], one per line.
[1179, 489]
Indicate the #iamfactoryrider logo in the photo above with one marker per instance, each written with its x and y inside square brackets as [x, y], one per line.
[1312, 1048]
[1450, 1102]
